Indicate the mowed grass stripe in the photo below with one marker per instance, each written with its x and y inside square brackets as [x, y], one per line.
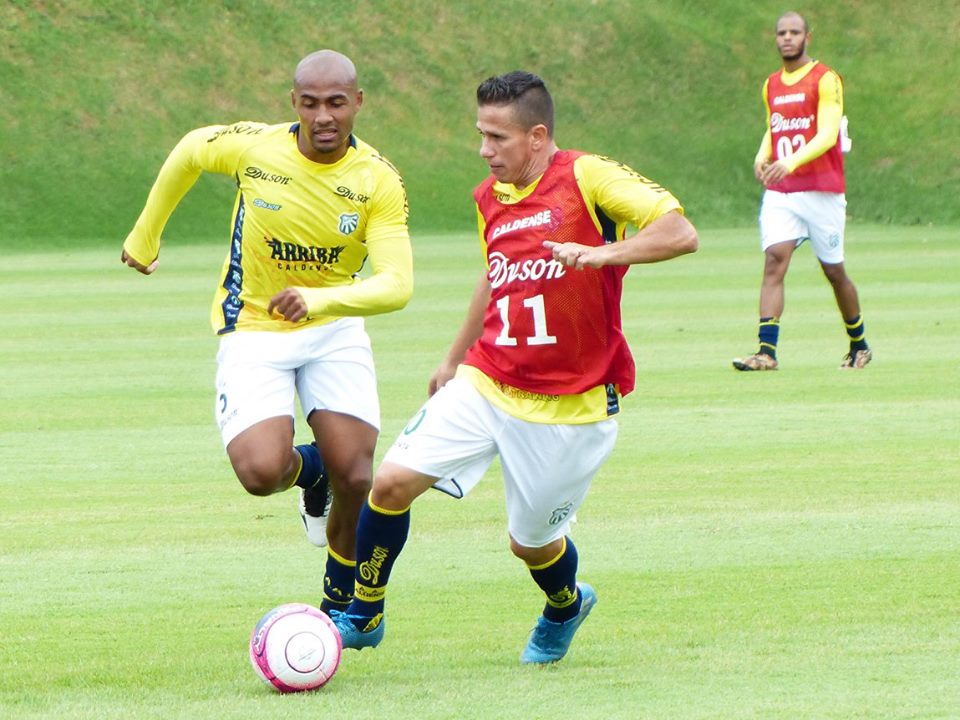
[764, 546]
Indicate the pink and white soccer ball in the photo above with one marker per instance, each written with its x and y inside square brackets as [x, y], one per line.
[295, 647]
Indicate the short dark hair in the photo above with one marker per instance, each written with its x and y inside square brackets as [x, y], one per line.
[526, 92]
[794, 13]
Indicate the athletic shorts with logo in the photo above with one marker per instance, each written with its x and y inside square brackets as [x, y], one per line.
[329, 367]
[819, 217]
[547, 468]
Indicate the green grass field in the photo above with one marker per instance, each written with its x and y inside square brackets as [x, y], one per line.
[775, 545]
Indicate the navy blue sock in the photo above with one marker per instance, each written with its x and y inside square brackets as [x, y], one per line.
[312, 469]
[856, 333]
[769, 333]
[558, 580]
[337, 582]
[381, 535]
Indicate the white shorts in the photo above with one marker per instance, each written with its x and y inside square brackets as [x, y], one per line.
[547, 469]
[819, 217]
[329, 366]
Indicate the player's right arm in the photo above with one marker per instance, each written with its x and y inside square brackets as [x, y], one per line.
[470, 330]
[215, 148]
[765, 153]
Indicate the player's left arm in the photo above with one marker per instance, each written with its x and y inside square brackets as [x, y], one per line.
[829, 113]
[388, 247]
[627, 197]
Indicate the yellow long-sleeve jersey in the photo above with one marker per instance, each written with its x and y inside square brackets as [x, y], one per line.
[295, 223]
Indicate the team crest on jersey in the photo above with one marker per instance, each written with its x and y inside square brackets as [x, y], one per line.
[349, 222]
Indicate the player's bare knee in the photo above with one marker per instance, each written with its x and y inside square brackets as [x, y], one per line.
[355, 484]
[517, 549]
[258, 485]
[835, 274]
[258, 478]
[393, 490]
[534, 556]
[775, 269]
[529, 555]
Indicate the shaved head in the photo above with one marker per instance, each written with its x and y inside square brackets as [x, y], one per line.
[328, 64]
[327, 99]
[794, 15]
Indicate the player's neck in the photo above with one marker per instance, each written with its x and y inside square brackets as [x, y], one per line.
[323, 157]
[794, 65]
[537, 167]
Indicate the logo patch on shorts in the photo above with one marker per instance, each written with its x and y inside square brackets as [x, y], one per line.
[225, 416]
[560, 514]
[834, 239]
[415, 422]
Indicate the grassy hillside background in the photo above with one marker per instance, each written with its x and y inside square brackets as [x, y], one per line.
[95, 94]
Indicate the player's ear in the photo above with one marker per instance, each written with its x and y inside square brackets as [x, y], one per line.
[293, 99]
[359, 98]
[538, 136]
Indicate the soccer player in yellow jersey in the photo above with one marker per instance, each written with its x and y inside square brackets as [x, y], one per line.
[314, 202]
[800, 162]
[536, 373]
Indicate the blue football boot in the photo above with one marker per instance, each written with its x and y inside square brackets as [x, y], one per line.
[550, 641]
[356, 639]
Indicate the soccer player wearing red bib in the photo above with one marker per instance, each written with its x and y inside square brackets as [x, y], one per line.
[536, 372]
[800, 162]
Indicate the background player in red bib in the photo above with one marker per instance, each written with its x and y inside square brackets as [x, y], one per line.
[536, 372]
[800, 162]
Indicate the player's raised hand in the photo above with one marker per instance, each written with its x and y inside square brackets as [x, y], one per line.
[290, 304]
[139, 267]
